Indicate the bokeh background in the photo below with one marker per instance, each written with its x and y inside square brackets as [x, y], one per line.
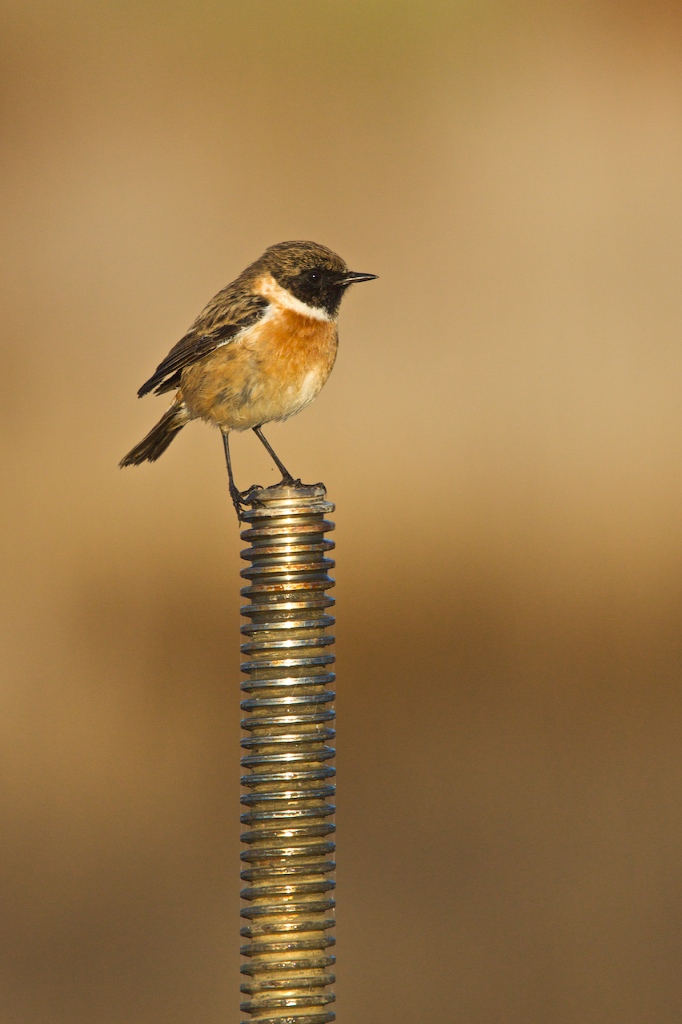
[501, 436]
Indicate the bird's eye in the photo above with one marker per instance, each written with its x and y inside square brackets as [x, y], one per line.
[313, 276]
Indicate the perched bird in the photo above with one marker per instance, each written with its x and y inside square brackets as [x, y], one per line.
[260, 351]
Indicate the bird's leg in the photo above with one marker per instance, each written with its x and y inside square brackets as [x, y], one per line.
[287, 478]
[235, 494]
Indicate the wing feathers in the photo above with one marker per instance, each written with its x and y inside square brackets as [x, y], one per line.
[223, 319]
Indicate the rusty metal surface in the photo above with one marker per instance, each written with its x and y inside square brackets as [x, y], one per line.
[289, 777]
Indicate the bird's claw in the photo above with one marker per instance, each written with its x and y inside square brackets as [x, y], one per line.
[240, 499]
[247, 495]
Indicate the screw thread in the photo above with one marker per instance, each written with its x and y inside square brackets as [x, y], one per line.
[288, 865]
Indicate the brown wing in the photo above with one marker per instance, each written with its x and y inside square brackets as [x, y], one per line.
[229, 312]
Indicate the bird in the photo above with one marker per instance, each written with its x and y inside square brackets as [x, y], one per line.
[260, 351]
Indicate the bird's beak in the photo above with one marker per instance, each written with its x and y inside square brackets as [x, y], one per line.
[352, 278]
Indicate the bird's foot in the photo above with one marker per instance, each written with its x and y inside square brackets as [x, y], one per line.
[298, 485]
[239, 499]
[247, 495]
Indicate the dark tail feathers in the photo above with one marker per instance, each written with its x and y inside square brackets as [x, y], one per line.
[158, 438]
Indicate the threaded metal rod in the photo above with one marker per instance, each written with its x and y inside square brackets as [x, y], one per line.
[289, 782]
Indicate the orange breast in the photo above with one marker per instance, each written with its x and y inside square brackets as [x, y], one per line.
[270, 373]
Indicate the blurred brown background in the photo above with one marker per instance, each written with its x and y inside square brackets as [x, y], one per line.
[501, 436]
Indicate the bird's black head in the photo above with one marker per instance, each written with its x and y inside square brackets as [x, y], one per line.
[312, 273]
